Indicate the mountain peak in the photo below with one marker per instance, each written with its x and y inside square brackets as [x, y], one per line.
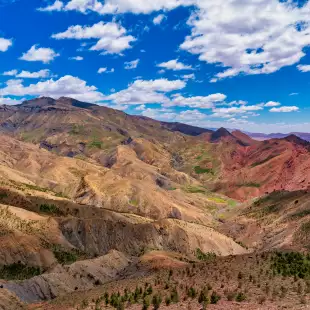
[220, 133]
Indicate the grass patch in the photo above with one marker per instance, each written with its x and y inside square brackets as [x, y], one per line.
[194, 190]
[61, 195]
[217, 199]
[300, 214]
[200, 255]
[250, 184]
[95, 144]
[200, 170]
[18, 271]
[51, 209]
[134, 202]
[35, 187]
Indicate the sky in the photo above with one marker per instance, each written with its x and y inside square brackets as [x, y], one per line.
[240, 64]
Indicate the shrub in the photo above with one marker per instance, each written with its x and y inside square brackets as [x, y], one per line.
[18, 271]
[200, 170]
[205, 256]
[156, 301]
[51, 209]
[192, 292]
[240, 297]
[214, 298]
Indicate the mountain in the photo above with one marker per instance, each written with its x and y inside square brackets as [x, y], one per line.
[94, 202]
[261, 136]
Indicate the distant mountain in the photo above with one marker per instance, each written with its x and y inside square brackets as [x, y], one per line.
[263, 136]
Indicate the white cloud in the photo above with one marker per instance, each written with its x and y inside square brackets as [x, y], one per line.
[105, 70]
[146, 92]
[158, 19]
[232, 111]
[251, 37]
[77, 58]
[189, 76]
[174, 65]
[121, 6]
[5, 44]
[68, 86]
[203, 102]
[43, 54]
[10, 101]
[293, 94]
[129, 65]
[272, 104]
[10, 73]
[28, 75]
[304, 68]
[285, 109]
[56, 6]
[112, 36]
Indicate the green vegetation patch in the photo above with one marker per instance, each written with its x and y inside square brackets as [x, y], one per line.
[291, 264]
[95, 144]
[300, 214]
[200, 170]
[64, 256]
[18, 271]
[250, 184]
[194, 190]
[51, 209]
[36, 188]
[200, 255]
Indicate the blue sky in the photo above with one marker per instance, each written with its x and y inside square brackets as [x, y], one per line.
[235, 63]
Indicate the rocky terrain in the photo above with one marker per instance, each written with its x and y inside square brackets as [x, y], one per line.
[94, 202]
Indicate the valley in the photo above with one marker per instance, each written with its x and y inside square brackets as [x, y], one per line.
[101, 209]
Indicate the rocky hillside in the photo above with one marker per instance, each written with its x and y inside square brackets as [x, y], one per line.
[93, 200]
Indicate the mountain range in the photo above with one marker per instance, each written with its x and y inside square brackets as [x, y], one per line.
[94, 201]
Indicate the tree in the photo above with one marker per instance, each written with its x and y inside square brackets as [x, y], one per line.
[146, 303]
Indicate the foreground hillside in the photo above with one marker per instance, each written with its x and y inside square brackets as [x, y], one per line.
[94, 202]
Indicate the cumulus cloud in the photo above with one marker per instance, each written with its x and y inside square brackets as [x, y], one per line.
[146, 92]
[237, 110]
[203, 102]
[5, 44]
[250, 37]
[105, 70]
[174, 65]
[158, 19]
[77, 58]
[36, 53]
[113, 38]
[272, 104]
[56, 6]
[304, 68]
[10, 101]
[10, 73]
[285, 109]
[68, 86]
[119, 6]
[129, 65]
[28, 75]
[189, 76]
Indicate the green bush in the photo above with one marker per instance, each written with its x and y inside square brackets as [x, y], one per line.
[240, 297]
[51, 209]
[205, 256]
[18, 271]
[200, 170]
[214, 299]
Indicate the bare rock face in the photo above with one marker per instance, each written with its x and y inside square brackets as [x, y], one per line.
[82, 275]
